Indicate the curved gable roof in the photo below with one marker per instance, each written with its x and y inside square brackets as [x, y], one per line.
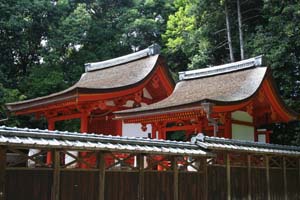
[118, 76]
[223, 89]
[223, 85]
[110, 75]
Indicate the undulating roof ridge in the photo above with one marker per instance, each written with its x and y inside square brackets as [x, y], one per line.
[222, 69]
[55, 134]
[35, 138]
[151, 50]
[200, 145]
[226, 141]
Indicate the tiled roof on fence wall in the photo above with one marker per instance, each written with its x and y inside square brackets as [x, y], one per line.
[223, 144]
[36, 138]
[199, 146]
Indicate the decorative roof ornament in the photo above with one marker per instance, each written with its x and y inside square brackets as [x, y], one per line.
[222, 69]
[198, 137]
[150, 51]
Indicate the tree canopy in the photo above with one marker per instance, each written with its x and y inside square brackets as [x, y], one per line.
[44, 44]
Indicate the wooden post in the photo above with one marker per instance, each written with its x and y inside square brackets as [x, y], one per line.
[56, 176]
[118, 127]
[228, 126]
[153, 132]
[228, 176]
[268, 178]
[268, 136]
[299, 178]
[2, 172]
[205, 195]
[83, 129]
[51, 127]
[255, 135]
[176, 182]
[101, 183]
[284, 179]
[141, 186]
[84, 123]
[249, 176]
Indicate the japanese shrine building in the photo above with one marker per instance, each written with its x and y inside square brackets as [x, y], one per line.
[233, 101]
[133, 96]
[125, 82]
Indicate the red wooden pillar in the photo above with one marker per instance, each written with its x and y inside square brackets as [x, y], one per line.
[119, 128]
[51, 127]
[153, 132]
[268, 136]
[200, 126]
[228, 126]
[160, 127]
[255, 136]
[159, 130]
[163, 133]
[84, 123]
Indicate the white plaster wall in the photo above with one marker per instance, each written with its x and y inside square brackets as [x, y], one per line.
[241, 132]
[31, 163]
[135, 130]
[242, 116]
[69, 159]
[262, 138]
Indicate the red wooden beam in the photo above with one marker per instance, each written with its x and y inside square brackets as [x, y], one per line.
[275, 102]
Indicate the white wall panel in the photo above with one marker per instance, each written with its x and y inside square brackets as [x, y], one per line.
[135, 130]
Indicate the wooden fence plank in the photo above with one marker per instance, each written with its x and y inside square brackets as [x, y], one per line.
[141, 191]
[33, 184]
[284, 179]
[204, 168]
[101, 178]
[249, 176]
[175, 171]
[268, 177]
[299, 177]
[2, 172]
[56, 176]
[159, 185]
[228, 176]
[217, 177]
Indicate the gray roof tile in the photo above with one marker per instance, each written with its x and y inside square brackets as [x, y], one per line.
[33, 138]
[200, 145]
[218, 144]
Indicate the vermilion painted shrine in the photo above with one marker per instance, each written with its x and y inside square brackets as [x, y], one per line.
[135, 96]
[222, 101]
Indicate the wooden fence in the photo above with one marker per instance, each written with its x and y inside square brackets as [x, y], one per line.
[227, 176]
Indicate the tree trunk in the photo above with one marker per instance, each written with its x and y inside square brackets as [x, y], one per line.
[240, 29]
[228, 32]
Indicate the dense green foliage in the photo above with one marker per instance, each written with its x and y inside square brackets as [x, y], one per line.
[197, 32]
[45, 43]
